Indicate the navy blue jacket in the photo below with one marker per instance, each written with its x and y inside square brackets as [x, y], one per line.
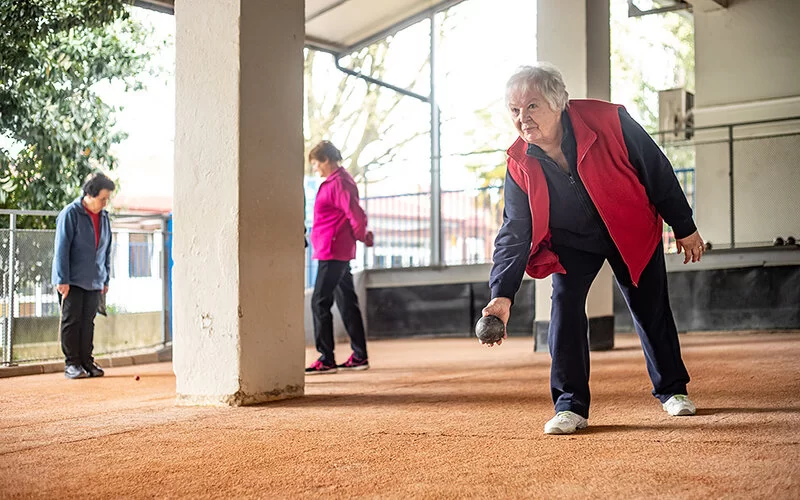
[76, 260]
[574, 221]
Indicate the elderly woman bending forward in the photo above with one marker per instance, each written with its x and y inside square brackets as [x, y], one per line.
[586, 184]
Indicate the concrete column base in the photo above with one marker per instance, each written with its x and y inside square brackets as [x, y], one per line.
[239, 398]
[540, 330]
[601, 334]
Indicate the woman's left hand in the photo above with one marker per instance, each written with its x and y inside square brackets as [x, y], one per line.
[692, 246]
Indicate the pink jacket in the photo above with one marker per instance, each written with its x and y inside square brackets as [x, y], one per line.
[339, 221]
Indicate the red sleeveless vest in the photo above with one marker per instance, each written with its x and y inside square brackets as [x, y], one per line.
[611, 181]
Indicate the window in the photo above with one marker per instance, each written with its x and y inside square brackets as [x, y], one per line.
[140, 252]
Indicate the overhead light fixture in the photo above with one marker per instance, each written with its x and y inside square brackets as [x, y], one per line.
[639, 8]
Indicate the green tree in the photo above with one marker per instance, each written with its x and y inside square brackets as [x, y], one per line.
[54, 128]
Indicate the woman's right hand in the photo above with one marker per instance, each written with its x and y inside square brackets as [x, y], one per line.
[500, 307]
[63, 290]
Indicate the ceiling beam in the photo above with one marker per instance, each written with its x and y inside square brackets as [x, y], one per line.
[164, 6]
[708, 5]
[318, 43]
[440, 6]
[668, 6]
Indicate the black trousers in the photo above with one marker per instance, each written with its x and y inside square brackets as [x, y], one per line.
[568, 335]
[335, 282]
[78, 310]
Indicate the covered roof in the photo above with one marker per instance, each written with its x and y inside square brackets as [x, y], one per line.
[343, 26]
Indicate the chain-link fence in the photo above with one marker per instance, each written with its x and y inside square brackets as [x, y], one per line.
[135, 304]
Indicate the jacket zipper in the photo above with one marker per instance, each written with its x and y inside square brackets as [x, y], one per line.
[580, 197]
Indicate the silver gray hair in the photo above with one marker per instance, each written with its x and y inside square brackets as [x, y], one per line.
[543, 77]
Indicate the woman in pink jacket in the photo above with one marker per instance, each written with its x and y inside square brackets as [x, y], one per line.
[339, 222]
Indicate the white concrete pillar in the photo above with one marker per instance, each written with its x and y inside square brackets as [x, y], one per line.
[574, 36]
[238, 273]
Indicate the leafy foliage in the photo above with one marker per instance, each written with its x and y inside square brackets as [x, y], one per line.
[55, 127]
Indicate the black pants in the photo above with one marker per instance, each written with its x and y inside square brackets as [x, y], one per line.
[568, 336]
[78, 310]
[334, 282]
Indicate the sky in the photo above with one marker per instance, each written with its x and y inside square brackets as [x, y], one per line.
[145, 166]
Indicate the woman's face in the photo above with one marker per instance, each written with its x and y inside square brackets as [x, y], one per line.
[323, 168]
[533, 118]
[97, 203]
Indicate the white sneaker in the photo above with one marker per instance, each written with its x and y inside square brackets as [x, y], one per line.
[679, 405]
[565, 422]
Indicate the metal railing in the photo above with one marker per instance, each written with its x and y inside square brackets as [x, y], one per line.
[401, 224]
[137, 303]
[747, 179]
[470, 220]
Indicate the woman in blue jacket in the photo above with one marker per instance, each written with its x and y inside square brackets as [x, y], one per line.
[81, 270]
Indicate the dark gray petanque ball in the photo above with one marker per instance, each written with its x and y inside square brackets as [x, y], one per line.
[490, 329]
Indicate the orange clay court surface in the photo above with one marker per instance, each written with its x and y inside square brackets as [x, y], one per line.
[432, 418]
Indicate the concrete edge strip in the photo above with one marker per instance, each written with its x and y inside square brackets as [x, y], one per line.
[156, 356]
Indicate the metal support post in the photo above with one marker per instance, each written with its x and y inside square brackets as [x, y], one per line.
[731, 185]
[436, 184]
[165, 305]
[12, 226]
[366, 210]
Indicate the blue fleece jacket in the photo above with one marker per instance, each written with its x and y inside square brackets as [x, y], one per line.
[76, 260]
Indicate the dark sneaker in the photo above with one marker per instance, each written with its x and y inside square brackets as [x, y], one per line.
[93, 370]
[354, 363]
[318, 367]
[75, 371]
